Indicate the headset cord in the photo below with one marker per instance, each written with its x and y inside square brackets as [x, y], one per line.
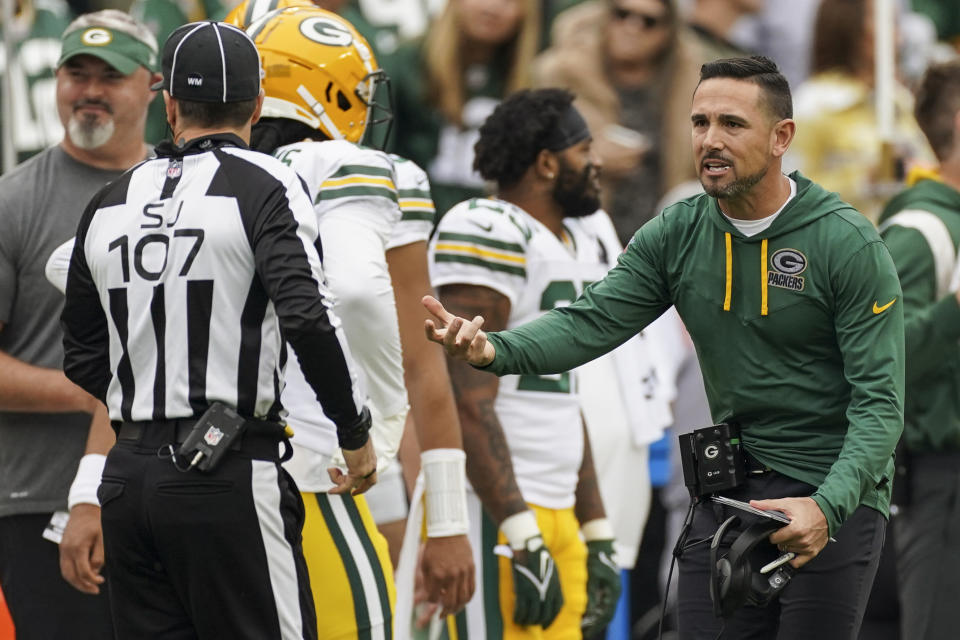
[723, 627]
[678, 550]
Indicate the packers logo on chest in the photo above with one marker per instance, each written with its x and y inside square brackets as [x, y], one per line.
[786, 267]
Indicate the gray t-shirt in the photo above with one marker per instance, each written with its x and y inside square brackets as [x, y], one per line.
[41, 202]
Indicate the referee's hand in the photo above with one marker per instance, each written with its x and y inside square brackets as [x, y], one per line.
[361, 470]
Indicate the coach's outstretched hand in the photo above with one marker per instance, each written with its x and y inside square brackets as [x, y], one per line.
[462, 339]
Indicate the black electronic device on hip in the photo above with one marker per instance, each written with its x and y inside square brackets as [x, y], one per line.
[712, 459]
[210, 437]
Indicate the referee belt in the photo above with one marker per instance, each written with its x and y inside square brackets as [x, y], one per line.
[260, 439]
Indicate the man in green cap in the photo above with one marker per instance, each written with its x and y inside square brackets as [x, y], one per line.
[103, 80]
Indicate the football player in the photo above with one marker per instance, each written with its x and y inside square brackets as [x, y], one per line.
[534, 488]
[374, 214]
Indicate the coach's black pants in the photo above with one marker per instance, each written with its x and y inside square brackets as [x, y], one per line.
[826, 598]
[203, 555]
[42, 604]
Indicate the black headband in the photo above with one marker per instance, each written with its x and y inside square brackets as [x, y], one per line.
[571, 128]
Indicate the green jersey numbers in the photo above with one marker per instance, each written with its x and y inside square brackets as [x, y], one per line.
[557, 294]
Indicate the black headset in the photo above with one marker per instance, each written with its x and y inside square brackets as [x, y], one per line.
[733, 582]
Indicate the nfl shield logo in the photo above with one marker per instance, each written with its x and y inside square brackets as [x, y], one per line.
[174, 169]
[213, 436]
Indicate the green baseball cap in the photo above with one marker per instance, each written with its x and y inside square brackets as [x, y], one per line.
[112, 36]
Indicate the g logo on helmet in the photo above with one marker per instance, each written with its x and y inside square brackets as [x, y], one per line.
[96, 37]
[711, 451]
[326, 31]
[789, 261]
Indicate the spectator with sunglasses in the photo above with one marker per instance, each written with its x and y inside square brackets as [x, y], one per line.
[633, 66]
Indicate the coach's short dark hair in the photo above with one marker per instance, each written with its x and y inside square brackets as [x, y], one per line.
[938, 101]
[761, 71]
[516, 132]
[217, 114]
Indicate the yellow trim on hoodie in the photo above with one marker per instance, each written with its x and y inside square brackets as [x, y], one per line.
[728, 287]
[763, 277]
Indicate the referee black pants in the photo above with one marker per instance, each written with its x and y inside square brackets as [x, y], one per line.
[825, 600]
[193, 555]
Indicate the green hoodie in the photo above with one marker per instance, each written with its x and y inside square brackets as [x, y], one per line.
[798, 330]
[921, 227]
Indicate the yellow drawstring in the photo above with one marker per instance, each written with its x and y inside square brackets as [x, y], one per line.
[729, 283]
[763, 277]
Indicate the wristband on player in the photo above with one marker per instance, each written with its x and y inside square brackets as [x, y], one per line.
[87, 481]
[598, 529]
[445, 492]
[519, 528]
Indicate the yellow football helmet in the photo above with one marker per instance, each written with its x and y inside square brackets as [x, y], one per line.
[249, 11]
[319, 71]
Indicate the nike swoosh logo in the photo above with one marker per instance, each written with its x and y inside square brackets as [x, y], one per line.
[877, 309]
[488, 228]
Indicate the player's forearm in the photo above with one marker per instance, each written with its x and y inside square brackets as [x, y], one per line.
[489, 467]
[25, 387]
[589, 504]
[431, 398]
[432, 404]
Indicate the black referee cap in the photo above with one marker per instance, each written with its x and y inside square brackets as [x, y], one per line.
[210, 62]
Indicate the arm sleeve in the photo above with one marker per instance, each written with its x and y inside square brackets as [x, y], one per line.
[283, 234]
[872, 348]
[356, 268]
[931, 326]
[86, 340]
[632, 295]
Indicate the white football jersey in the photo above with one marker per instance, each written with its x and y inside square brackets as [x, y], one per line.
[495, 244]
[416, 204]
[354, 190]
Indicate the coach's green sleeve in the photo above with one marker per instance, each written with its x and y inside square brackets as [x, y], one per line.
[868, 310]
[632, 295]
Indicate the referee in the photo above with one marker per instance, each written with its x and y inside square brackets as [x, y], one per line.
[188, 273]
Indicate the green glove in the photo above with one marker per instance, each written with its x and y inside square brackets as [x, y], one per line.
[536, 584]
[603, 587]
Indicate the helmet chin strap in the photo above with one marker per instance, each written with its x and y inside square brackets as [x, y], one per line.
[320, 112]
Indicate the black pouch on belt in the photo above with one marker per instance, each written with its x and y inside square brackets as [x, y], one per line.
[211, 436]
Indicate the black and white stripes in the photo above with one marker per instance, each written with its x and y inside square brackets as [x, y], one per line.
[199, 264]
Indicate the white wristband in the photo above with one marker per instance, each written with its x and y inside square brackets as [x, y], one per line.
[599, 529]
[519, 528]
[445, 492]
[87, 481]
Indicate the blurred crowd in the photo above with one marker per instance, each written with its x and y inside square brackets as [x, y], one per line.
[633, 65]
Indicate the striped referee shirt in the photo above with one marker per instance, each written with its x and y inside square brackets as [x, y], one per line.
[187, 275]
